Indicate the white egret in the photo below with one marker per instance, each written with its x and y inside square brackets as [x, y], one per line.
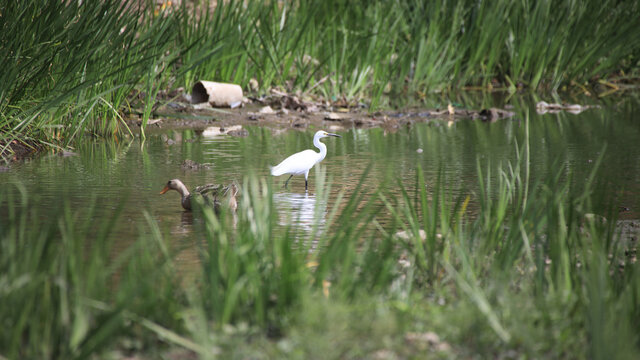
[212, 194]
[300, 163]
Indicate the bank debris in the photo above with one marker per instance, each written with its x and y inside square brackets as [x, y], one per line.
[300, 110]
[16, 149]
[279, 102]
[543, 107]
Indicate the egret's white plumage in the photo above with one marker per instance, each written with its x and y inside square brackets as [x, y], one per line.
[300, 163]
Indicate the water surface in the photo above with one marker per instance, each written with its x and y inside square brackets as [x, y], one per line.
[126, 175]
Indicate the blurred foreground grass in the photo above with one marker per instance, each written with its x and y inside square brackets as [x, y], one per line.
[532, 274]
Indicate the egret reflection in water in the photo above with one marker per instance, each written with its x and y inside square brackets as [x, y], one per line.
[300, 212]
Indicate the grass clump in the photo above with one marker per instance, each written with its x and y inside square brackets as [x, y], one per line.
[512, 269]
[75, 65]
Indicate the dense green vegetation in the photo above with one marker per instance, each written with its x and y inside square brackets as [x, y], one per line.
[75, 68]
[529, 273]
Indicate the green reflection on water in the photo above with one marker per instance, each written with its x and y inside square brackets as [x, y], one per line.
[123, 173]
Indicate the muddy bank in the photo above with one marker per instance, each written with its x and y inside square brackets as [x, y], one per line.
[15, 150]
[283, 111]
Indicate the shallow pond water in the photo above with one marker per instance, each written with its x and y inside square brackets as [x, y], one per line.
[126, 175]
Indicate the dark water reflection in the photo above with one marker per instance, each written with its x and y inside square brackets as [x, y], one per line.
[124, 176]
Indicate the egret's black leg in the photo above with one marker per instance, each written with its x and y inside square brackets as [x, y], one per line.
[306, 184]
[286, 182]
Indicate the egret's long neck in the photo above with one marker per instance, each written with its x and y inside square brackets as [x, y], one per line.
[321, 146]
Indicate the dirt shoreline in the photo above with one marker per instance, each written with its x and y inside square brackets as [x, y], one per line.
[297, 115]
[17, 150]
[279, 111]
[179, 116]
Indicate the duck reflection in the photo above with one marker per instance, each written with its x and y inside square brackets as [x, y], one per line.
[301, 211]
[186, 221]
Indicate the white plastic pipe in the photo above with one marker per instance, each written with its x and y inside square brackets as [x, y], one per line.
[217, 94]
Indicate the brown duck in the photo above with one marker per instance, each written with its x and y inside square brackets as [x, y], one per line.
[213, 194]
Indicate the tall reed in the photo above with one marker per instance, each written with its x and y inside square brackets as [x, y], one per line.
[76, 67]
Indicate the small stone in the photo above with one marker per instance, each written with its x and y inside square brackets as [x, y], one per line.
[308, 59]
[384, 354]
[333, 117]
[404, 235]
[254, 85]
[267, 110]
[238, 133]
[65, 153]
